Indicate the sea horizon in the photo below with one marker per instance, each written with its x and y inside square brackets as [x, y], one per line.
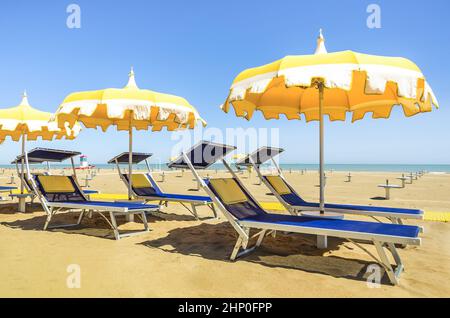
[431, 168]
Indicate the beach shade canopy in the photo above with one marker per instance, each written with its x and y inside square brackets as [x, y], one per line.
[41, 155]
[127, 108]
[202, 155]
[27, 123]
[332, 84]
[259, 156]
[138, 157]
[47, 155]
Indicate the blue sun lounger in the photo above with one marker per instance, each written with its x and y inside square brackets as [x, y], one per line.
[293, 202]
[46, 155]
[245, 214]
[145, 187]
[62, 193]
[6, 189]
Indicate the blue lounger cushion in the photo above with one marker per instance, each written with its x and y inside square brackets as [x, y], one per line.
[155, 192]
[407, 231]
[182, 197]
[7, 188]
[90, 191]
[128, 205]
[292, 199]
[295, 200]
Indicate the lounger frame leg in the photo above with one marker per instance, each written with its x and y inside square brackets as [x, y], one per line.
[394, 275]
[193, 211]
[114, 225]
[236, 248]
[115, 228]
[242, 242]
[213, 208]
[52, 212]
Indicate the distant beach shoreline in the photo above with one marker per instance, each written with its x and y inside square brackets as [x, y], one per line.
[430, 168]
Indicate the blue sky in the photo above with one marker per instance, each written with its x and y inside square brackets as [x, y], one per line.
[195, 48]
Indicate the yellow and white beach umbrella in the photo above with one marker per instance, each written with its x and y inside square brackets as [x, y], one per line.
[127, 108]
[330, 84]
[27, 123]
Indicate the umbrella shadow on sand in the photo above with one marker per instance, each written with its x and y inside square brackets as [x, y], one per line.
[290, 251]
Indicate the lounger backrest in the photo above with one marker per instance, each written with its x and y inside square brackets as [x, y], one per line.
[58, 188]
[233, 197]
[284, 190]
[28, 184]
[278, 184]
[142, 184]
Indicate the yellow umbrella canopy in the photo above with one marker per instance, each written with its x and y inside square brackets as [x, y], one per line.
[127, 108]
[330, 84]
[120, 106]
[26, 120]
[27, 123]
[355, 82]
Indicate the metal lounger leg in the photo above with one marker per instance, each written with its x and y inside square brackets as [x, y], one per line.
[236, 248]
[80, 218]
[243, 241]
[47, 221]
[115, 228]
[114, 225]
[53, 212]
[261, 237]
[212, 207]
[386, 264]
[194, 211]
[144, 220]
[398, 261]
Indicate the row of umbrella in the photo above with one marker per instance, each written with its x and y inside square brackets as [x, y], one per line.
[127, 108]
[314, 85]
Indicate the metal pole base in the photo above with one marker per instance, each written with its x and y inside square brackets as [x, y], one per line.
[322, 242]
[22, 205]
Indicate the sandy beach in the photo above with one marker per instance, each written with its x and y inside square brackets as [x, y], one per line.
[182, 257]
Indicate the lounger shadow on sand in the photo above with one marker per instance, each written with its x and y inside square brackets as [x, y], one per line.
[289, 251]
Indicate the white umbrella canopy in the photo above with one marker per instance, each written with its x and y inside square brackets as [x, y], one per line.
[127, 108]
[23, 122]
[332, 84]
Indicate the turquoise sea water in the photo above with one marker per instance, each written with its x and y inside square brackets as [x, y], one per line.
[297, 167]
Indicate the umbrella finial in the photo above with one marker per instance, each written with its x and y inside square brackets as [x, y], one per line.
[131, 81]
[321, 49]
[24, 101]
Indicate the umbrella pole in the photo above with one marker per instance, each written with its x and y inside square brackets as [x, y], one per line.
[320, 86]
[130, 156]
[130, 217]
[22, 207]
[22, 164]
